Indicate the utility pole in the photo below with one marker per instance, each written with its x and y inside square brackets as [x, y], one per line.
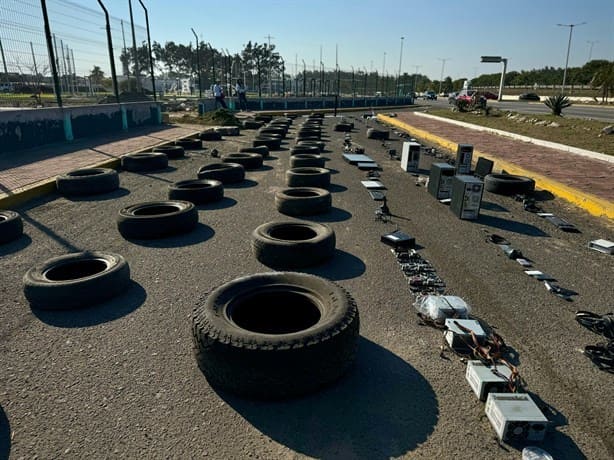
[33, 60]
[571, 26]
[200, 86]
[268, 37]
[590, 50]
[125, 65]
[400, 61]
[416, 78]
[443, 63]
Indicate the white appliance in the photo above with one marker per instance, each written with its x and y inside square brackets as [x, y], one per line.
[485, 379]
[515, 417]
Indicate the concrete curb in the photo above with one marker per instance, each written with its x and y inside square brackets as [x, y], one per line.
[590, 203]
[30, 192]
[552, 145]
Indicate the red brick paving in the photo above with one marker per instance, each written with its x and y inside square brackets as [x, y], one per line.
[586, 174]
[23, 168]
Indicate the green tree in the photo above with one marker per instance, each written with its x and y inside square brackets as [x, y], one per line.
[96, 75]
[604, 79]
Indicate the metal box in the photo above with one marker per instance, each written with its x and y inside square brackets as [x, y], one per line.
[515, 417]
[485, 379]
[440, 180]
[466, 196]
[410, 156]
[464, 155]
[460, 338]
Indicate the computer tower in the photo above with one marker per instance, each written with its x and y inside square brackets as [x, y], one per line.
[440, 180]
[466, 196]
[464, 155]
[410, 156]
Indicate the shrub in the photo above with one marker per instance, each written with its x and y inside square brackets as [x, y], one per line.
[557, 104]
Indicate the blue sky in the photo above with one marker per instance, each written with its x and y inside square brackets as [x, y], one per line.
[363, 30]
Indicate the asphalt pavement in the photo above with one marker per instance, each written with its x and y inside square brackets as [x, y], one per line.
[119, 380]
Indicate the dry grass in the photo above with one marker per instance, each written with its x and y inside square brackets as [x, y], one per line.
[584, 134]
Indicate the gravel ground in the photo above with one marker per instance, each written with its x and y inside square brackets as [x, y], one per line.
[120, 379]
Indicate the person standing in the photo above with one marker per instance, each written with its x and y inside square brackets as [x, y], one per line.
[218, 93]
[241, 93]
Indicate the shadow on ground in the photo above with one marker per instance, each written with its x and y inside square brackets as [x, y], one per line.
[110, 310]
[15, 246]
[342, 266]
[101, 197]
[200, 234]
[510, 225]
[334, 215]
[5, 435]
[372, 413]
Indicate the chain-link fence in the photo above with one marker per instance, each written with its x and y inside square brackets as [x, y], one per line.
[77, 44]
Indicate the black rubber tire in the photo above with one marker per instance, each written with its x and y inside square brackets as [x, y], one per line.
[252, 124]
[190, 144]
[248, 160]
[274, 131]
[262, 150]
[87, 181]
[508, 184]
[197, 191]
[311, 149]
[137, 162]
[263, 118]
[226, 173]
[275, 335]
[76, 280]
[309, 134]
[302, 160]
[11, 226]
[303, 201]
[293, 244]
[273, 143]
[157, 219]
[210, 135]
[319, 144]
[343, 127]
[308, 177]
[373, 133]
[228, 130]
[171, 151]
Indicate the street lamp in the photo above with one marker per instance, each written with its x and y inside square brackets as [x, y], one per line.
[200, 86]
[571, 26]
[590, 50]
[443, 63]
[400, 61]
[416, 77]
[304, 76]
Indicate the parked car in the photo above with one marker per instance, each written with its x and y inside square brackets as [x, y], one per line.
[430, 95]
[528, 97]
[489, 95]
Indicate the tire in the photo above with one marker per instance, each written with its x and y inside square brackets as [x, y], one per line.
[508, 184]
[190, 144]
[273, 143]
[76, 280]
[156, 219]
[87, 181]
[171, 151]
[343, 127]
[310, 149]
[319, 144]
[309, 133]
[228, 130]
[293, 244]
[197, 191]
[210, 135]
[373, 133]
[308, 177]
[303, 201]
[226, 173]
[11, 226]
[252, 124]
[268, 131]
[137, 162]
[263, 118]
[247, 160]
[244, 343]
[262, 150]
[302, 160]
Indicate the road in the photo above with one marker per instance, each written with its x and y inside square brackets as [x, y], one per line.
[119, 380]
[578, 110]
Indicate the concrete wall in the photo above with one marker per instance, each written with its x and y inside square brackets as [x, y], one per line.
[26, 128]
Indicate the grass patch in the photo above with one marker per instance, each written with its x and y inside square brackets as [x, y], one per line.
[219, 117]
[584, 134]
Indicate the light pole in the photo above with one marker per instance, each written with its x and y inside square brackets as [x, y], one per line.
[200, 86]
[571, 26]
[590, 50]
[400, 61]
[443, 63]
[416, 78]
[384, 67]
[304, 76]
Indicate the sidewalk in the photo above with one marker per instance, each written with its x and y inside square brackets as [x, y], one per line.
[30, 173]
[585, 182]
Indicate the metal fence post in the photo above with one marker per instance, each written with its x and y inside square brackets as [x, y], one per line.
[54, 70]
[112, 59]
[151, 67]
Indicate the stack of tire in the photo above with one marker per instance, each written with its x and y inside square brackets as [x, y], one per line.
[272, 134]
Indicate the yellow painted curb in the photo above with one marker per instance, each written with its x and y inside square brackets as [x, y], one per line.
[590, 203]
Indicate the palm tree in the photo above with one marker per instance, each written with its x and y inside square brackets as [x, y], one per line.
[557, 104]
[96, 75]
[604, 79]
